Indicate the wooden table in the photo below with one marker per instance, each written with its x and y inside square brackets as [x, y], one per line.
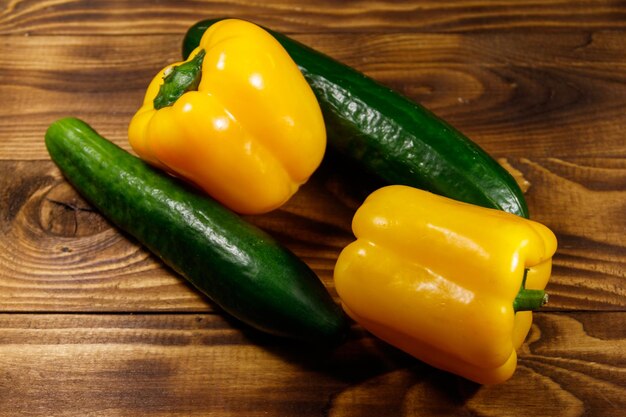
[92, 325]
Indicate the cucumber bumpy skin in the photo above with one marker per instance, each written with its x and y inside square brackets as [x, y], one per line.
[392, 136]
[238, 266]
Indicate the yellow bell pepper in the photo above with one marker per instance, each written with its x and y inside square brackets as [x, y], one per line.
[445, 281]
[237, 119]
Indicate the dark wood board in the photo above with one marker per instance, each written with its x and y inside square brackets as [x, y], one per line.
[91, 324]
[201, 364]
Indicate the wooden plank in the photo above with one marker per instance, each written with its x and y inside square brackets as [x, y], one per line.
[57, 254]
[583, 200]
[146, 17]
[93, 325]
[197, 365]
[504, 94]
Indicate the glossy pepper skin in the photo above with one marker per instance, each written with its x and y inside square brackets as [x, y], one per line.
[248, 130]
[438, 278]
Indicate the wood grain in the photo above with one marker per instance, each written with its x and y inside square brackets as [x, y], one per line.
[170, 16]
[495, 89]
[93, 325]
[57, 254]
[165, 365]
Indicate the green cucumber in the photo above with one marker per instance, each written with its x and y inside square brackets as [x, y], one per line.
[393, 137]
[238, 266]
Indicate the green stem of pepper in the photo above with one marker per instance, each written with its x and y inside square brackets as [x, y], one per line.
[527, 299]
[180, 79]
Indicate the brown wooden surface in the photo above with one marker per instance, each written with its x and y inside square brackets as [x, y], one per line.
[92, 325]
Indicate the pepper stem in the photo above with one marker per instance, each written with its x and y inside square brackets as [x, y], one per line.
[178, 80]
[527, 299]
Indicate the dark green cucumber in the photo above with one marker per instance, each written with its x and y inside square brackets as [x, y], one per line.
[392, 136]
[238, 266]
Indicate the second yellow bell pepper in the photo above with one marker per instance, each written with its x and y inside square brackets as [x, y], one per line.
[237, 119]
[445, 281]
